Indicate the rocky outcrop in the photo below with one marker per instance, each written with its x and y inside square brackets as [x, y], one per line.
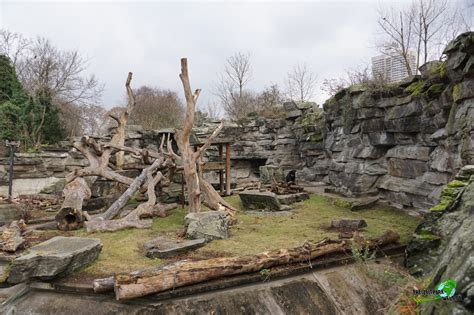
[55, 257]
[443, 246]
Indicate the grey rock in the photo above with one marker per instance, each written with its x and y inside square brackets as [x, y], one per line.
[406, 168]
[364, 203]
[56, 257]
[162, 247]
[292, 198]
[268, 172]
[414, 152]
[210, 225]
[254, 200]
[9, 212]
[349, 224]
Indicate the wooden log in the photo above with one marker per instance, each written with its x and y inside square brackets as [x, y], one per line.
[70, 217]
[185, 273]
[116, 225]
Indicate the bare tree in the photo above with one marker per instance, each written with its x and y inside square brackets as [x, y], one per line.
[157, 108]
[420, 30]
[14, 46]
[230, 88]
[301, 83]
[270, 102]
[397, 26]
[41, 67]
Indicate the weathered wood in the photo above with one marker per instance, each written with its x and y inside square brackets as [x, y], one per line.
[148, 209]
[189, 157]
[116, 225]
[70, 216]
[189, 272]
[77, 188]
[227, 169]
[12, 236]
[115, 208]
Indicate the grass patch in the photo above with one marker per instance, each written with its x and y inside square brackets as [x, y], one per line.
[252, 234]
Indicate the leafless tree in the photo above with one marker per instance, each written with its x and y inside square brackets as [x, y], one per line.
[230, 88]
[14, 45]
[157, 108]
[43, 67]
[270, 102]
[422, 29]
[397, 27]
[301, 83]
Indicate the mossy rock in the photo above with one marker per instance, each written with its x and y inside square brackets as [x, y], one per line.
[416, 88]
[456, 184]
[456, 93]
[434, 91]
[444, 204]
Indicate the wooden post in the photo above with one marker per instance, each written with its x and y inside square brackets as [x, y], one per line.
[12, 145]
[227, 169]
[221, 172]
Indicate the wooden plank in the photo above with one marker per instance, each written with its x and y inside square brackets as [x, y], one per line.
[221, 173]
[227, 169]
[214, 166]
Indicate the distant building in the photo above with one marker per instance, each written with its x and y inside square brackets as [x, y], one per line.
[392, 67]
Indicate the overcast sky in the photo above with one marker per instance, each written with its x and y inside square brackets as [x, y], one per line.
[149, 38]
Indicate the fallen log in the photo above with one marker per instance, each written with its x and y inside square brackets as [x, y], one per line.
[190, 272]
[116, 225]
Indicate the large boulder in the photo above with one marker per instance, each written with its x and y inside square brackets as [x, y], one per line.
[258, 200]
[55, 257]
[210, 225]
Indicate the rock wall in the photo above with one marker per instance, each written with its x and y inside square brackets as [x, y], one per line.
[406, 141]
[443, 245]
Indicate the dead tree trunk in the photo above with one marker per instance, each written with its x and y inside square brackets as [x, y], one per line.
[189, 157]
[134, 219]
[189, 272]
[77, 189]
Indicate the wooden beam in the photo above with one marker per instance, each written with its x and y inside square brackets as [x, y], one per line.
[221, 173]
[227, 169]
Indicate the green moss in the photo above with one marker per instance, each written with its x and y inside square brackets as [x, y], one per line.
[457, 92]
[456, 184]
[449, 192]
[442, 69]
[426, 235]
[435, 90]
[416, 88]
[342, 203]
[315, 137]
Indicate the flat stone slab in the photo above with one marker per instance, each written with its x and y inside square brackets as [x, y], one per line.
[162, 247]
[292, 198]
[364, 203]
[55, 257]
[348, 224]
[255, 200]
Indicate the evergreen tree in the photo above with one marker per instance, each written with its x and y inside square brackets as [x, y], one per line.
[34, 120]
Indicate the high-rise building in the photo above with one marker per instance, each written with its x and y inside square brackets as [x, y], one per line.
[392, 67]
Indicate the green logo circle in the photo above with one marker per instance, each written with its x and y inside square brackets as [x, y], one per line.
[448, 287]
